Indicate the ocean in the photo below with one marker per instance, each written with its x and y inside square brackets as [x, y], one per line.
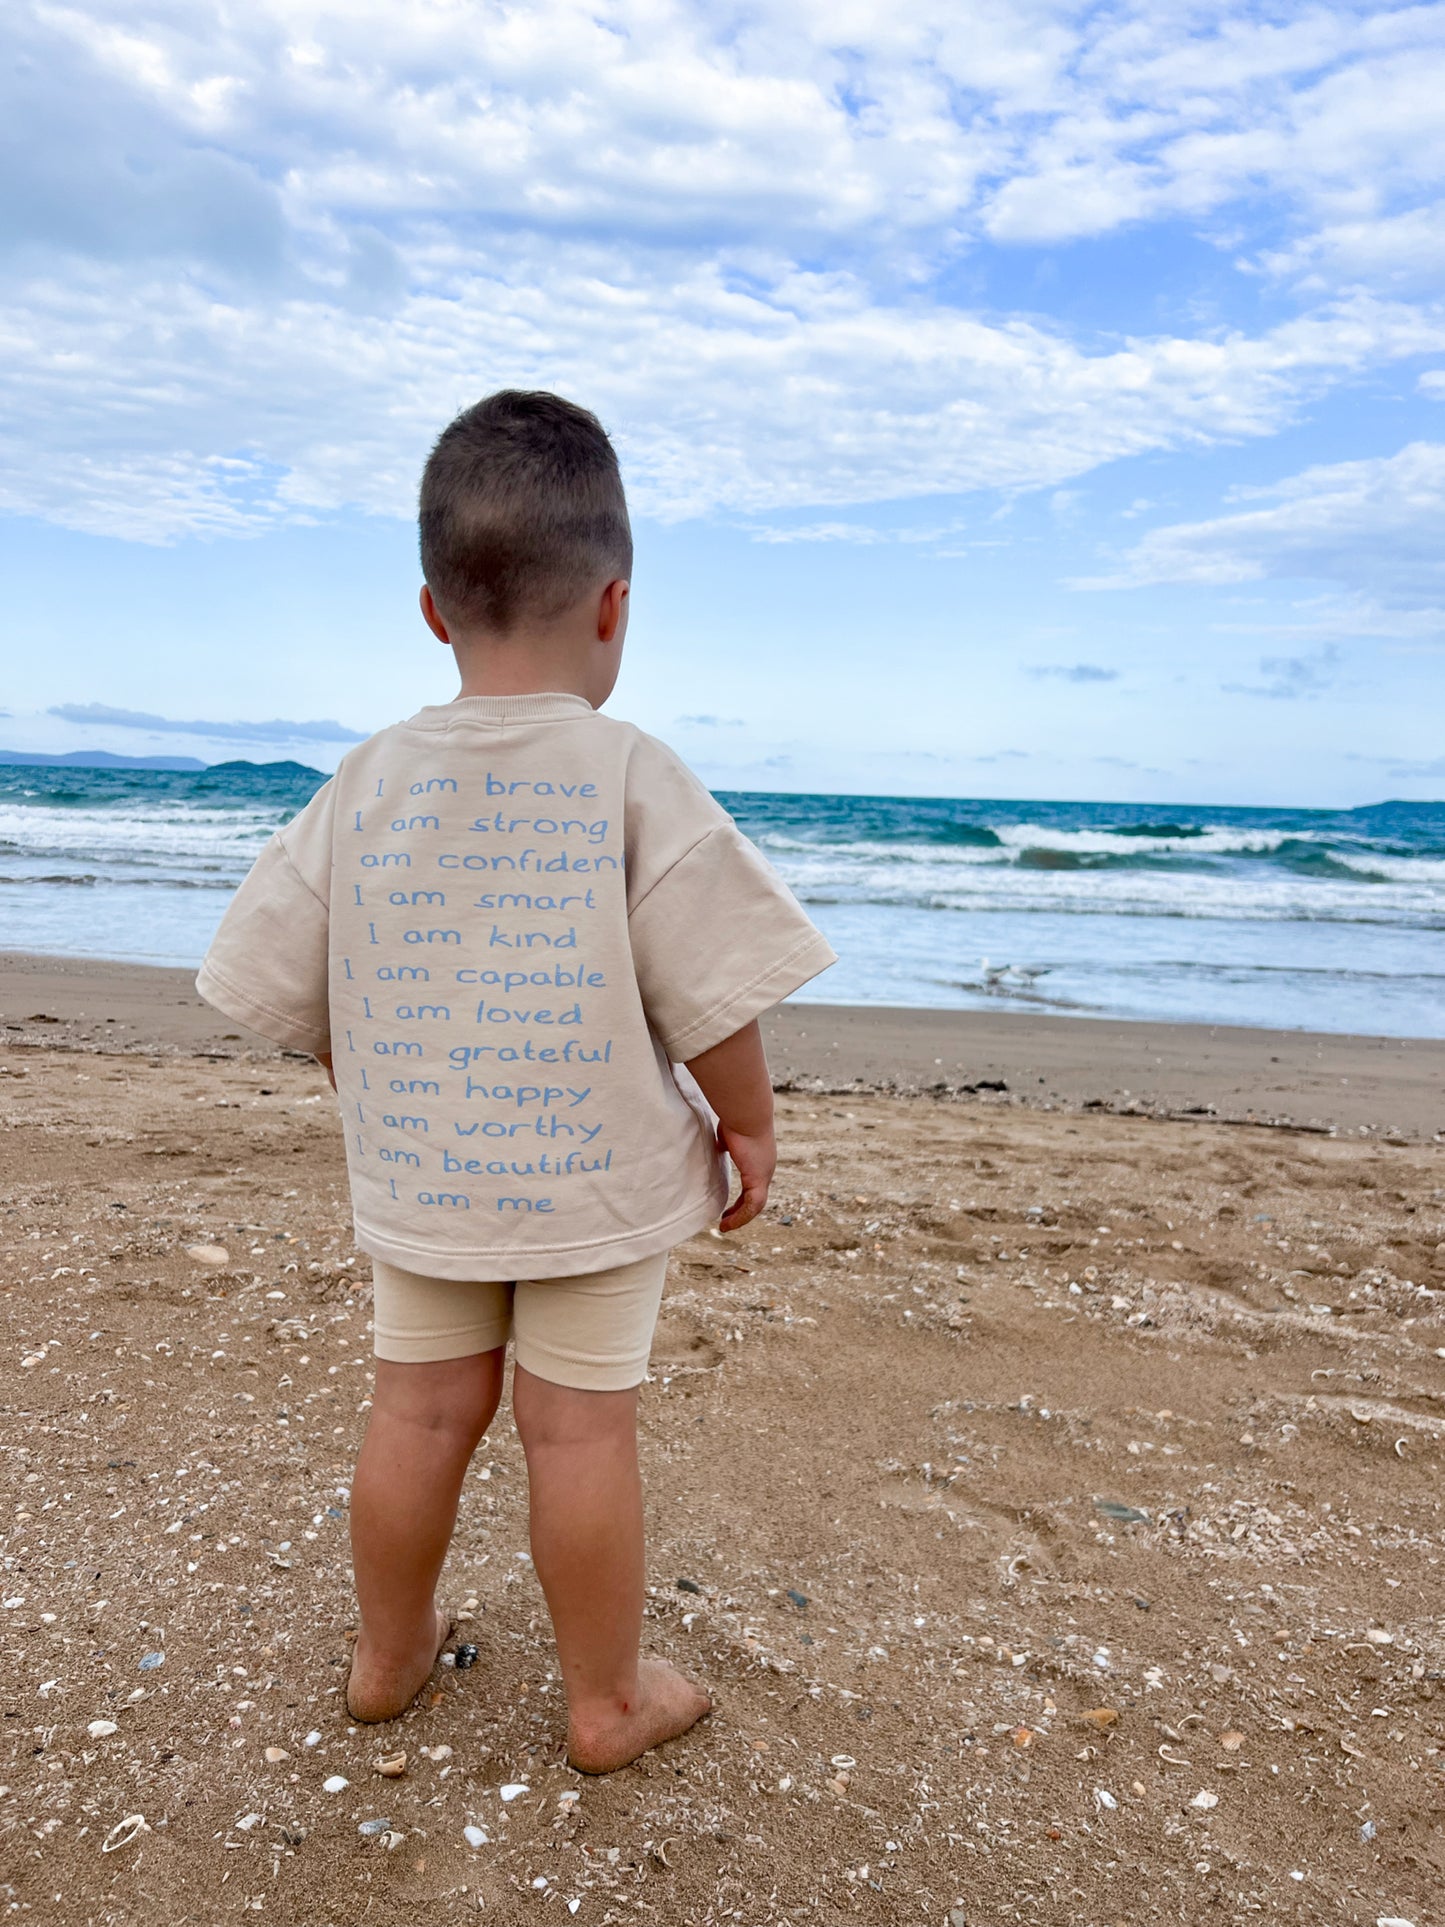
[1305, 919]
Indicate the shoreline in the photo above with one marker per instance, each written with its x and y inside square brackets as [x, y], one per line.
[1316, 1081]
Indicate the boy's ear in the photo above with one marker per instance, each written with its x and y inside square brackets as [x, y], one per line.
[612, 611]
[431, 616]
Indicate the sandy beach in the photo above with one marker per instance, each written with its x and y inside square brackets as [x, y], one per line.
[1048, 1487]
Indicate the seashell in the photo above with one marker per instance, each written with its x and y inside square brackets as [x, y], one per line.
[275, 1754]
[1103, 1717]
[124, 1831]
[1231, 1742]
[391, 1766]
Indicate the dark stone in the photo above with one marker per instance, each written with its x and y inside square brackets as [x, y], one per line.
[465, 1656]
[688, 1585]
[799, 1599]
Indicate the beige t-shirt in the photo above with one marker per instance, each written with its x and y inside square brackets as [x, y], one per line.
[511, 920]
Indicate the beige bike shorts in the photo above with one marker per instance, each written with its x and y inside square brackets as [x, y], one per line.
[593, 1333]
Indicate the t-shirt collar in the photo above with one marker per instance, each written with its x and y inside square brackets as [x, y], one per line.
[542, 706]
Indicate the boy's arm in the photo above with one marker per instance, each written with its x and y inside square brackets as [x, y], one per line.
[733, 1077]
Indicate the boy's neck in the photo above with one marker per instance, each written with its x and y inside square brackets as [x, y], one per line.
[578, 654]
[523, 666]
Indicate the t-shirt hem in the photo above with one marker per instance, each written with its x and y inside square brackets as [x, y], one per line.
[280, 1026]
[571, 1260]
[785, 975]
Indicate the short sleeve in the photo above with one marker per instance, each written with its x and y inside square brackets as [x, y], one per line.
[717, 940]
[267, 966]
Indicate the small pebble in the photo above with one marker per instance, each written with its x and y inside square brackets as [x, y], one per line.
[313, 1738]
[688, 1585]
[101, 1729]
[370, 1827]
[1204, 1800]
[441, 1752]
[465, 1656]
[515, 1791]
[209, 1254]
[1105, 1801]
[150, 1661]
[275, 1754]
[474, 1836]
[799, 1599]
[334, 1783]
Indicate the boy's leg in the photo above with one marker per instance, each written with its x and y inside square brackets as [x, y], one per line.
[586, 1506]
[426, 1421]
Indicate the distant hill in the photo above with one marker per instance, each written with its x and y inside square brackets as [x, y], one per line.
[287, 766]
[100, 759]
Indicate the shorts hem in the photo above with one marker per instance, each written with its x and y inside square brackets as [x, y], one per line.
[432, 1348]
[574, 1376]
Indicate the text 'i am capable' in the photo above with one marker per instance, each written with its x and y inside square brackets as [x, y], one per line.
[515, 1070]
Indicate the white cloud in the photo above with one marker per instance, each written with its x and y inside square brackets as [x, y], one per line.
[254, 256]
[858, 533]
[1075, 672]
[1371, 526]
[1292, 678]
[148, 408]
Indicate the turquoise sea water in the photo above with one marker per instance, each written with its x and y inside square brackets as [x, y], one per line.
[1314, 919]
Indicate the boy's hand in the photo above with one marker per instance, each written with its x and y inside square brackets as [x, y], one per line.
[755, 1158]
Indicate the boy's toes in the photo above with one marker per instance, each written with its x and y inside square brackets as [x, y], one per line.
[381, 1686]
[667, 1704]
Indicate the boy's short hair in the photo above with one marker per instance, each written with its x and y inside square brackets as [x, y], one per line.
[522, 511]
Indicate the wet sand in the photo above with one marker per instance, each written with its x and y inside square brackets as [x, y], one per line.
[1051, 1497]
[1304, 1078]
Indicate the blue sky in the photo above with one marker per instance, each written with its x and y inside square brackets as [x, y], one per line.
[1017, 399]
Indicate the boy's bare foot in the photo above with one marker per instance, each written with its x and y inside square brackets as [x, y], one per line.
[382, 1687]
[667, 1704]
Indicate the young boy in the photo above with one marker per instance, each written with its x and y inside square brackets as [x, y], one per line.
[531, 951]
